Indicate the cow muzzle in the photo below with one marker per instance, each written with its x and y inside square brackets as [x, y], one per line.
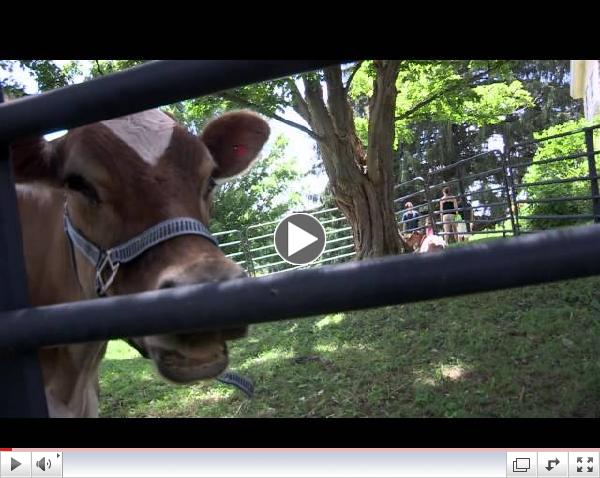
[190, 358]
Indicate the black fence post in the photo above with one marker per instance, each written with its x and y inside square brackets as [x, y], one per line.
[591, 157]
[508, 147]
[513, 193]
[463, 197]
[21, 385]
[512, 203]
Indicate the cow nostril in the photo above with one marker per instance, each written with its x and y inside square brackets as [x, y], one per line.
[167, 284]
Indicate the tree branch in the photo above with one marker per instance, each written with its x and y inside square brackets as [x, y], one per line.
[322, 120]
[299, 104]
[248, 104]
[445, 90]
[100, 70]
[354, 71]
[337, 101]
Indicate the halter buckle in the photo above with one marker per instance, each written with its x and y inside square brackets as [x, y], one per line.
[102, 285]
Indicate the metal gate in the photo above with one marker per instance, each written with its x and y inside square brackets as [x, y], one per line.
[577, 202]
[491, 202]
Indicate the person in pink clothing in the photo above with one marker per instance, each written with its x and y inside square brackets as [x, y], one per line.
[428, 227]
[431, 242]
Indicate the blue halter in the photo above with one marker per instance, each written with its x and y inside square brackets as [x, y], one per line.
[107, 262]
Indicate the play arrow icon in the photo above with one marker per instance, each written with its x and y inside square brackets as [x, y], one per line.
[298, 239]
[14, 464]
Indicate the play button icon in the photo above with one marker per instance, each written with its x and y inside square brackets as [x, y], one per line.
[300, 239]
[15, 464]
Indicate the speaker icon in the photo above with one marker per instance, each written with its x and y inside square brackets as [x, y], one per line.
[43, 463]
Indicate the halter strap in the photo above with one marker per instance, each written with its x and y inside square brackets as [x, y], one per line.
[128, 251]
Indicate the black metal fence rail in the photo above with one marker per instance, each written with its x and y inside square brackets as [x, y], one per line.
[153, 84]
[555, 255]
[428, 198]
[504, 180]
[522, 156]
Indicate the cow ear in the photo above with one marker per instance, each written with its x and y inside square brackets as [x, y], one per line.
[36, 160]
[234, 140]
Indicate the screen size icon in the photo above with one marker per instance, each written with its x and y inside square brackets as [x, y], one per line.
[521, 465]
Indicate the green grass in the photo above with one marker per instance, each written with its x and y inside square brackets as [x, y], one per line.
[529, 352]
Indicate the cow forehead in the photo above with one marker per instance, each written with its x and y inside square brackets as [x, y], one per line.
[148, 133]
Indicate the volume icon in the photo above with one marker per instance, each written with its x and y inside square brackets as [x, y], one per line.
[43, 463]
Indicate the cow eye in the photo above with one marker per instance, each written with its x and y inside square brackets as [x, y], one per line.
[77, 183]
[211, 184]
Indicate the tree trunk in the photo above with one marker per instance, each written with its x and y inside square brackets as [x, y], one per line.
[373, 222]
[362, 182]
[368, 205]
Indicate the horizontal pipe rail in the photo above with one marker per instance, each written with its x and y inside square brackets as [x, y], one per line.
[222, 233]
[556, 199]
[328, 251]
[561, 217]
[489, 172]
[418, 178]
[555, 136]
[233, 243]
[495, 152]
[554, 181]
[489, 204]
[264, 236]
[408, 196]
[556, 159]
[339, 239]
[474, 233]
[329, 221]
[415, 206]
[475, 221]
[532, 259]
[270, 246]
[153, 84]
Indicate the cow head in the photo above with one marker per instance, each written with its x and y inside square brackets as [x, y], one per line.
[122, 176]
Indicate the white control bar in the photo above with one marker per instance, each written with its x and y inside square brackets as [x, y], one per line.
[299, 463]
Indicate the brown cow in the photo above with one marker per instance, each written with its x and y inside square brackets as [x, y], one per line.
[115, 180]
[412, 241]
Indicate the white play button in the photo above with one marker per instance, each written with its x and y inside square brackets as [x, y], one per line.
[298, 239]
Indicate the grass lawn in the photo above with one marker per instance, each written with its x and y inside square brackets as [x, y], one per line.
[529, 352]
